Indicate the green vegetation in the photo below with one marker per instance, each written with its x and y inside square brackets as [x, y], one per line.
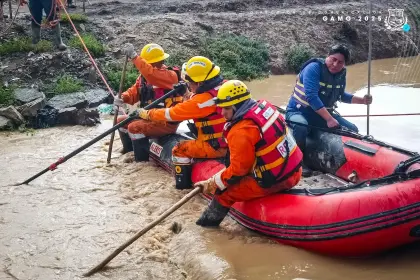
[65, 84]
[239, 57]
[6, 96]
[73, 17]
[297, 55]
[114, 73]
[24, 44]
[24, 129]
[95, 47]
[177, 58]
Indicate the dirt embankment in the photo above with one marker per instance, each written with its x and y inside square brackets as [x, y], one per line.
[178, 25]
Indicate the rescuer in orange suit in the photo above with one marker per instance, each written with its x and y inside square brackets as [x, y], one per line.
[264, 157]
[155, 80]
[205, 80]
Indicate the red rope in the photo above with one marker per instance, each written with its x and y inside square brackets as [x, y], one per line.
[56, 15]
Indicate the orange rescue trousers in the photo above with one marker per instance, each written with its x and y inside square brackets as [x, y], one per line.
[248, 189]
[141, 128]
[197, 149]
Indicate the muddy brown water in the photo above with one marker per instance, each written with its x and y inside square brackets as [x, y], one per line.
[66, 221]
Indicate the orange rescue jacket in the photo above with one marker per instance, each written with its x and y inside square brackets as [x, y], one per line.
[199, 106]
[160, 79]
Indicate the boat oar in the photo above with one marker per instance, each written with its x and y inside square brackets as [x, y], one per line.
[53, 166]
[151, 225]
[117, 109]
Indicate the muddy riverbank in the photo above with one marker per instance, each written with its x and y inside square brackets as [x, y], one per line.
[66, 221]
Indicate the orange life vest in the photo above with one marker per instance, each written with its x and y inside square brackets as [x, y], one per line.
[277, 155]
[148, 92]
[212, 125]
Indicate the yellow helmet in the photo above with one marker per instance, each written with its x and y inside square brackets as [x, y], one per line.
[200, 69]
[232, 92]
[153, 53]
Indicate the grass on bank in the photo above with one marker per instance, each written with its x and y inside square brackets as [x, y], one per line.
[24, 44]
[74, 18]
[64, 84]
[239, 57]
[114, 73]
[296, 55]
[94, 45]
[7, 96]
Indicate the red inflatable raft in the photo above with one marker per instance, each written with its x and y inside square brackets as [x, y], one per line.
[364, 199]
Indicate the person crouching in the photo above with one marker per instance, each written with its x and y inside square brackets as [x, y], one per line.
[263, 155]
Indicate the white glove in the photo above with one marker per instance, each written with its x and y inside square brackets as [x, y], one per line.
[118, 101]
[128, 50]
[208, 186]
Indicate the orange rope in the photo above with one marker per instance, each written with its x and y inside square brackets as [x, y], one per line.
[86, 49]
[53, 12]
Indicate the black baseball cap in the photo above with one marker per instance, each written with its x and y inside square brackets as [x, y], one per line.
[342, 49]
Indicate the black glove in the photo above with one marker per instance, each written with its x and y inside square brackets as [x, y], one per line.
[134, 114]
[181, 88]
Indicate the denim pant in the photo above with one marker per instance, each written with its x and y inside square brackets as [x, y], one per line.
[310, 117]
[36, 7]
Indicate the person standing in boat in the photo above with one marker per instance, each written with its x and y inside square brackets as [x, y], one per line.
[319, 85]
[154, 81]
[263, 156]
[205, 79]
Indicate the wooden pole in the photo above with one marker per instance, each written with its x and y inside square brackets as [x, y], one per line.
[1, 10]
[10, 10]
[369, 61]
[84, 6]
[165, 214]
[117, 110]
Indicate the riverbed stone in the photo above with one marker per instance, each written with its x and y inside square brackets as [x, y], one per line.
[26, 95]
[87, 116]
[12, 114]
[67, 116]
[96, 97]
[77, 99]
[30, 109]
[5, 123]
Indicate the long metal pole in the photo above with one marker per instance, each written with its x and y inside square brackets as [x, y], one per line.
[369, 60]
[97, 138]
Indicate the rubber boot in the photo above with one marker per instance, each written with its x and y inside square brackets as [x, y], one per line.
[183, 176]
[58, 42]
[36, 33]
[126, 142]
[141, 149]
[213, 215]
[70, 4]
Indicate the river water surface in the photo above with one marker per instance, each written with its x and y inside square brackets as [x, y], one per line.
[68, 220]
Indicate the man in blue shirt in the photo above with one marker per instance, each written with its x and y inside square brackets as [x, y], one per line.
[319, 85]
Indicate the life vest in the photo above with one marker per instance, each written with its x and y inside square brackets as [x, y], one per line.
[331, 88]
[277, 155]
[148, 92]
[212, 125]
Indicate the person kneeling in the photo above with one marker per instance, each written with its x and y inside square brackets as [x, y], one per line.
[264, 157]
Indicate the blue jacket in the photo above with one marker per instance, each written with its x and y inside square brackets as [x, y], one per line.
[316, 87]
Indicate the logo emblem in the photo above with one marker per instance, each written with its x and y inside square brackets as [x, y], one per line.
[395, 19]
[156, 149]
